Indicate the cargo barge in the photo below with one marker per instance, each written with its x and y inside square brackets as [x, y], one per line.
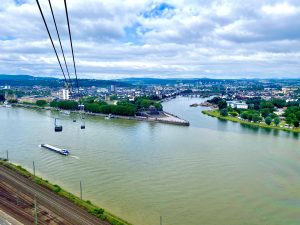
[55, 149]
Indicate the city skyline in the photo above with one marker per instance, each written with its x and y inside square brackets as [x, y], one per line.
[162, 39]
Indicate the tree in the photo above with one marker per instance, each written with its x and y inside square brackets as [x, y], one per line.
[266, 104]
[268, 120]
[244, 115]
[222, 104]
[279, 103]
[224, 112]
[41, 103]
[265, 112]
[296, 123]
[256, 117]
[276, 121]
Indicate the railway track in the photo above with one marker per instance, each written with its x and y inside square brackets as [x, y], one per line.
[66, 211]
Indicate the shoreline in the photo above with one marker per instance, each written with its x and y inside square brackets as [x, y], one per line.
[167, 119]
[88, 206]
[216, 114]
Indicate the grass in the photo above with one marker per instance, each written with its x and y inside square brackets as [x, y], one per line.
[216, 113]
[90, 207]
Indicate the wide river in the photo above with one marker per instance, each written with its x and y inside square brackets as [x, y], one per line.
[213, 172]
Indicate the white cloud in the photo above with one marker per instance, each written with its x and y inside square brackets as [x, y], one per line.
[114, 38]
[282, 8]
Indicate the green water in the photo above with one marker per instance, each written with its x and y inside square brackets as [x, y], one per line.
[213, 172]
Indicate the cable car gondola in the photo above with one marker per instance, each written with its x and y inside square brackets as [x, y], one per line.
[83, 122]
[57, 128]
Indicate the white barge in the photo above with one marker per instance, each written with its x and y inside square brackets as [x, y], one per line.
[55, 149]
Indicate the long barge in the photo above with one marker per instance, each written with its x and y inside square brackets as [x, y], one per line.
[55, 149]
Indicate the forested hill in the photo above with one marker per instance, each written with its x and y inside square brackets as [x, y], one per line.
[27, 80]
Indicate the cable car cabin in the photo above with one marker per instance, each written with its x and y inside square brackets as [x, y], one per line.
[57, 128]
[82, 127]
[74, 121]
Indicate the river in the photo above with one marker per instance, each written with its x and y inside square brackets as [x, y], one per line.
[212, 172]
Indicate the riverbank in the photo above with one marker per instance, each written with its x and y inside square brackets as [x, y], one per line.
[165, 117]
[29, 179]
[215, 113]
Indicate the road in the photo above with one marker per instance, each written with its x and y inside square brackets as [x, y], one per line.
[16, 197]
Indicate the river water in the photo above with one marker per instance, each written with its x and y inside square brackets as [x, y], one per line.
[213, 172]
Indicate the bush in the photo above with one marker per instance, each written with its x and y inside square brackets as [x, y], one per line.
[41, 103]
[56, 188]
[234, 114]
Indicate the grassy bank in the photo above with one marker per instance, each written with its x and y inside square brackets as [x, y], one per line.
[216, 113]
[90, 207]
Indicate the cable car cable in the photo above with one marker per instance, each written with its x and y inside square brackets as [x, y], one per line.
[70, 36]
[81, 109]
[37, 1]
[62, 50]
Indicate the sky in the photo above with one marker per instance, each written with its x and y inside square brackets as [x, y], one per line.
[152, 38]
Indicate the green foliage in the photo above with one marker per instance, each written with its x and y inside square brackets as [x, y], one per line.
[296, 123]
[233, 113]
[268, 120]
[122, 109]
[256, 117]
[222, 104]
[266, 105]
[56, 188]
[41, 103]
[215, 100]
[224, 112]
[265, 112]
[276, 121]
[254, 102]
[145, 103]
[244, 115]
[279, 103]
[67, 105]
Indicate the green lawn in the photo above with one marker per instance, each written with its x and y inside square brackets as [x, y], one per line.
[216, 113]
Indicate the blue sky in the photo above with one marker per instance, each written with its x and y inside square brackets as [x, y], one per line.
[152, 38]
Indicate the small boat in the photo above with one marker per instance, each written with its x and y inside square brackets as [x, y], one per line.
[55, 149]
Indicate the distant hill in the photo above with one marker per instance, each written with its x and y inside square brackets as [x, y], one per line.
[23, 77]
[161, 81]
[27, 80]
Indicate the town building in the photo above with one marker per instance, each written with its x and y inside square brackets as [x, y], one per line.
[64, 94]
[237, 105]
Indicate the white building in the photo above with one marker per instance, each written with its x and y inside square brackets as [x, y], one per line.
[237, 105]
[64, 94]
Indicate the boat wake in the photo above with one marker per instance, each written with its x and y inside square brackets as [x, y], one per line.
[74, 156]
